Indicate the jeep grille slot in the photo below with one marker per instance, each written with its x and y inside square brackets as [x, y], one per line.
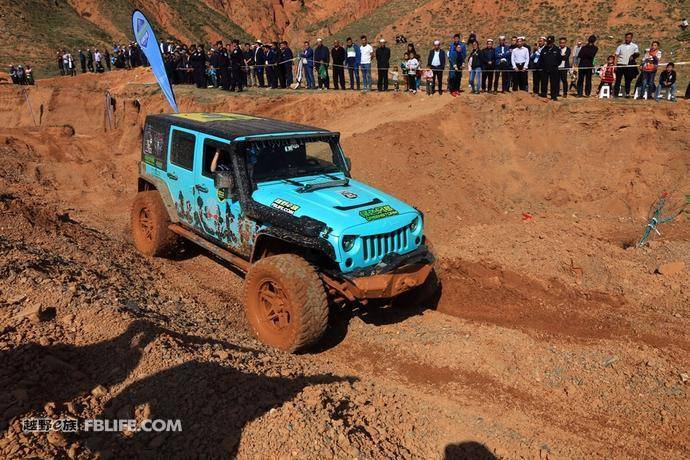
[376, 247]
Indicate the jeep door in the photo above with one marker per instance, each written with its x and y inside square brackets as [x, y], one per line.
[182, 147]
[221, 215]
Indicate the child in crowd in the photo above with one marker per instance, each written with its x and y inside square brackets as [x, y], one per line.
[429, 79]
[395, 78]
[607, 72]
[403, 69]
[667, 81]
[212, 77]
[412, 67]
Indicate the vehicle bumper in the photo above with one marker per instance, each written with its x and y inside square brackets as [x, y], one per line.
[390, 278]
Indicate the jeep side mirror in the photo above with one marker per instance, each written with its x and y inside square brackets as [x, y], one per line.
[223, 180]
[348, 164]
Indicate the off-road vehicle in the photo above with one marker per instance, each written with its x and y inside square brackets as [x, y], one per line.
[276, 200]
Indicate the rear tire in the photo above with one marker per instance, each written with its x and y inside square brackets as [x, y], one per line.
[150, 221]
[286, 303]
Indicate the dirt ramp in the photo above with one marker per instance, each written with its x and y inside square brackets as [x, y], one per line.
[488, 293]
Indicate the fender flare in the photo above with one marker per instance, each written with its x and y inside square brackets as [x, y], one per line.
[163, 191]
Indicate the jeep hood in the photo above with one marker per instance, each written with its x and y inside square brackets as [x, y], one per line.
[339, 207]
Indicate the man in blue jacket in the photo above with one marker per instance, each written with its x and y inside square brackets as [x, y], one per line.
[502, 60]
[307, 57]
[436, 61]
[352, 61]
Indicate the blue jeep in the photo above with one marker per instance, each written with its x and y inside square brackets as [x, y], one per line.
[276, 200]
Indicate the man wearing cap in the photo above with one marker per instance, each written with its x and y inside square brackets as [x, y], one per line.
[502, 59]
[365, 52]
[436, 61]
[383, 59]
[322, 57]
[307, 57]
[551, 59]
[519, 58]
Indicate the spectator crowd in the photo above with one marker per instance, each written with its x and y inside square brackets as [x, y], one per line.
[548, 67]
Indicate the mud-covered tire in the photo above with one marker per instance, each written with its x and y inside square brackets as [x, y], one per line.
[286, 302]
[149, 221]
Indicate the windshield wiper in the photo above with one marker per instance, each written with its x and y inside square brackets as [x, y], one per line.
[321, 185]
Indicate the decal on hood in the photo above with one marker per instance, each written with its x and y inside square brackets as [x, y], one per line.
[380, 212]
[284, 205]
[349, 194]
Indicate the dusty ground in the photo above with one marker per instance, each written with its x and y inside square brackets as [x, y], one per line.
[552, 337]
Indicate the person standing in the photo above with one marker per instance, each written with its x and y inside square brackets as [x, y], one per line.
[586, 63]
[454, 72]
[89, 60]
[197, 61]
[474, 65]
[503, 63]
[536, 66]
[82, 61]
[564, 66]
[486, 57]
[307, 57]
[412, 68]
[623, 53]
[223, 64]
[322, 57]
[452, 49]
[285, 65]
[353, 61]
[436, 61]
[576, 54]
[551, 59]
[383, 60]
[106, 58]
[366, 51]
[519, 59]
[338, 55]
[248, 55]
[236, 64]
[270, 66]
[259, 64]
[650, 64]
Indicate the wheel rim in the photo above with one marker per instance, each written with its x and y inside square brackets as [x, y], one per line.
[275, 309]
[146, 223]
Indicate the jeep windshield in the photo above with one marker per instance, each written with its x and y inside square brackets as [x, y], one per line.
[286, 159]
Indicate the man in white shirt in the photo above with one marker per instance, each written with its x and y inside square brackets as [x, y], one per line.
[519, 58]
[366, 51]
[623, 54]
[436, 61]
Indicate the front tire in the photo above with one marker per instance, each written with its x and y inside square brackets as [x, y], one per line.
[286, 303]
[149, 221]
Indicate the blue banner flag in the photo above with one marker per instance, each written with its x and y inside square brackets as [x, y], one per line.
[143, 33]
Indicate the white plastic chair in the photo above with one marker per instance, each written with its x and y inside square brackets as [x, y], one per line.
[605, 92]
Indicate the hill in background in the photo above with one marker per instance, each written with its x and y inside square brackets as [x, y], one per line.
[34, 30]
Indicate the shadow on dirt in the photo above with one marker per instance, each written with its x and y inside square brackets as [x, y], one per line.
[212, 401]
[468, 450]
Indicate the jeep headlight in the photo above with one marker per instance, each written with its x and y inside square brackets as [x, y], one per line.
[414, 224]
[348, 242]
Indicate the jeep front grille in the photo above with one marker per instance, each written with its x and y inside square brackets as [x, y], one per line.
[377, 246]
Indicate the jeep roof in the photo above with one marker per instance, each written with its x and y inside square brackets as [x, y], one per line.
[233, 126]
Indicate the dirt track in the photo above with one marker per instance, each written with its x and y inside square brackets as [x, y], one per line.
[561, 341]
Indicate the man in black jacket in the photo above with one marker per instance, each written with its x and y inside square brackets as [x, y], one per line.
[197, 60]
[585, 64]
[486, 56]
[551, 58]
[285, 57]
[564, 65]
[338, 54]
[82, 61]
[436, 61]
[383, 60]
[322, 57]
[236, 64]
[259, 63]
